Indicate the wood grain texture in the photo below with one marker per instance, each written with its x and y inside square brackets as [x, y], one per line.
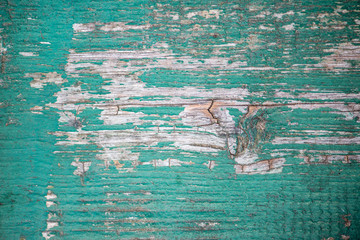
[182, 120]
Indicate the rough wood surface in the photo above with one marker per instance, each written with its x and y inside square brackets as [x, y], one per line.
[179, 120]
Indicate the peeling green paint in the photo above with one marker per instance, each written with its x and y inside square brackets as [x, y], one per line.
[182, 120]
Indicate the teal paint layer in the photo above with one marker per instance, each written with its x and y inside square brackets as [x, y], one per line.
[117, 120]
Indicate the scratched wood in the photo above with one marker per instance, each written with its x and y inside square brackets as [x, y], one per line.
[179, 120]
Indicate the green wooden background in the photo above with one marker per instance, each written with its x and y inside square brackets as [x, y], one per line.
[179, 119]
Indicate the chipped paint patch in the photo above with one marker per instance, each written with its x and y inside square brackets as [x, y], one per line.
[41, 79]
[289, 27]
[82, 167]
[280, 15]
[274, 165]
[206, 14]
[83, 27]
[122, 26]
[47, 235]
[28, 54]
[170, 162]
[210, 164]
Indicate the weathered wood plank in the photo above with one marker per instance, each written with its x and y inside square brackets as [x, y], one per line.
[181, 120]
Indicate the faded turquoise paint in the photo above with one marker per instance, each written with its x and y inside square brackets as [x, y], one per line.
[290, 81]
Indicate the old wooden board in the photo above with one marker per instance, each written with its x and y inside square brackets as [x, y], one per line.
[179, 120]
